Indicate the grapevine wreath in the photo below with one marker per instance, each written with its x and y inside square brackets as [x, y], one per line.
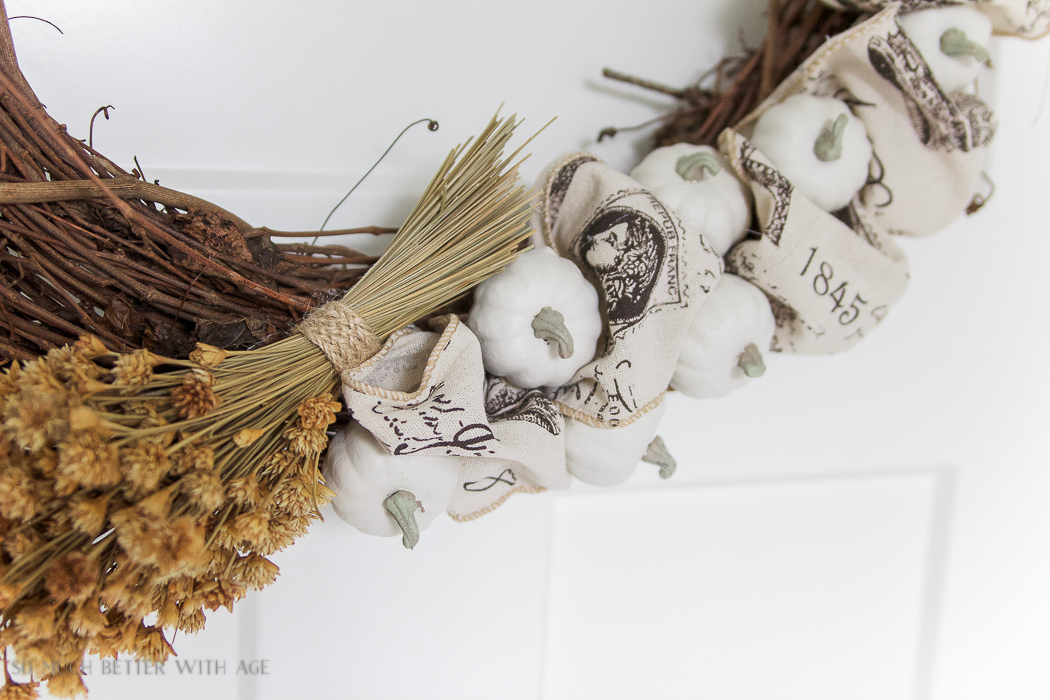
[182, 392]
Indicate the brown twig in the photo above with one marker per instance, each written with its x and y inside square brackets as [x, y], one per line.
[641, 82]
[374, 230]
[104, 110]
[774, 35]
[124, 186]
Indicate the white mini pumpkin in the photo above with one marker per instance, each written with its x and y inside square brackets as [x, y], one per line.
[723, 349]
[952, 40]
[608, 456]
[379, 493]
[696, 183]
[537, 320]
[817, 144]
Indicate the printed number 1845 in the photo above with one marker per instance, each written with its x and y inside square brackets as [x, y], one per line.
[822, 285]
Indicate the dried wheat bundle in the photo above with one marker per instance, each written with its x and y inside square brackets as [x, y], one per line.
[134, 483]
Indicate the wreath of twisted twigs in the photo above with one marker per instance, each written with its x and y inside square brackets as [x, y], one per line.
[86, 247]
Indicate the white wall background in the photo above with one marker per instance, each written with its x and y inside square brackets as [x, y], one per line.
[870, 525]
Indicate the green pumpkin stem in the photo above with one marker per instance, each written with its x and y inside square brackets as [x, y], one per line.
[828, 146]
[696, 166]
[955, 43]
[549, 325]
[750, 360]
[402, 507]
[658, 454]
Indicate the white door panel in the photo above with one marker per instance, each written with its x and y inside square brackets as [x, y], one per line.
[801, 589]
[460, 616]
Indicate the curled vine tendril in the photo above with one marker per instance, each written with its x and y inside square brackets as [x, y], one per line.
[432, 125]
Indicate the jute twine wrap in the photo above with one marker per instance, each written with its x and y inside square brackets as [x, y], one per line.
[342, 335]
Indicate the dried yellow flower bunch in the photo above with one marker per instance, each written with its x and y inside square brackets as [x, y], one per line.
[135, 487]
[109, 513]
